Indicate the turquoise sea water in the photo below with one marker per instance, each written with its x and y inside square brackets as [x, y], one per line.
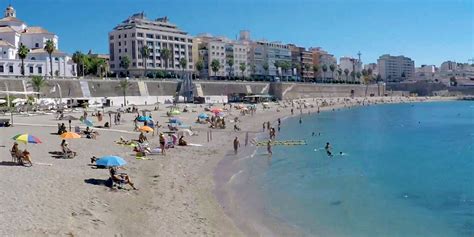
[409, 171]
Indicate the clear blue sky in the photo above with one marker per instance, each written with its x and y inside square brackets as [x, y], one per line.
[428, 31]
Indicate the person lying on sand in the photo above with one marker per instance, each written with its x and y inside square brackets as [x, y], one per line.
[182, 142]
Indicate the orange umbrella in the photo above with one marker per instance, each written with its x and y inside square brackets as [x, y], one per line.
[70, 135]
[145, 129]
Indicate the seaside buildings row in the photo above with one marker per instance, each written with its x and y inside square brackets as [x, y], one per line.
[142, 47]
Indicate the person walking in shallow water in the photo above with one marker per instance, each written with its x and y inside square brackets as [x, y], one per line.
[328, 149]
[301, 121]
[236, 145]
[269, 147]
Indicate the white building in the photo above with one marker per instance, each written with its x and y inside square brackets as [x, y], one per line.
[129, 38]
[396, 68]
[13, 33]
[351, 64]
[223, 50]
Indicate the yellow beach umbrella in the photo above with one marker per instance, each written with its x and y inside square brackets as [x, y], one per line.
[70, 135]
[145, 129]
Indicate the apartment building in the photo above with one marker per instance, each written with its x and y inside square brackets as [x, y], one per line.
[129, 38]
[396, 68]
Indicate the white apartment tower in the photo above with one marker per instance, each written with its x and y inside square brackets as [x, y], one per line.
[129, 38]
[396, 68]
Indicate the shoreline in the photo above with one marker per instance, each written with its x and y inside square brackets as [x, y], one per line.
[176, 196]
[273, 226]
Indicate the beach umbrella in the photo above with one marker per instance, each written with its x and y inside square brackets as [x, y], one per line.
[145, 129]
[70, 117]
[216, 110]
[220, 114]
[175, 120]
[175, 112]
[70, 135]
[203, 116]
[143, 118]
[3, 101]
[26, 138]
[88, 122]
[110, 161]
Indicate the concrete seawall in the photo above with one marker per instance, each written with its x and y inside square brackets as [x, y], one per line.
[151, 91]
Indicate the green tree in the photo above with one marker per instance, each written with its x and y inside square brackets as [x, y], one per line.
[332, 67]
[339, 73]
[346, 72]
[315, 71]
[22, 53]
[125, 63]
[183, 63]
[285, 66]
[199, 66]
[78, 58]
[266, 67]
[230, 63]
[325, 69]
[38, 82]
[165, 54]
[49, 47]
[145, 56]
[307, 68]
[123, 86]
[242, 68]
[215, 66]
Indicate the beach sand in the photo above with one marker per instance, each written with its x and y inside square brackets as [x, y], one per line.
[67, 197]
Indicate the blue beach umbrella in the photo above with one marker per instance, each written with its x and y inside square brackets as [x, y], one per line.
[88, 122]
[143, 118]
[203, 116]
[110, 161]
[175, 120]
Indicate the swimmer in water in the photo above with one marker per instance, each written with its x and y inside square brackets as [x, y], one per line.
[301, 121]
[328, 149]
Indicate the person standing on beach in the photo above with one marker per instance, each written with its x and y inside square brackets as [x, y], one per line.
[162, 143]
[236, 144]
[264, 126]
[279, 122]
[291, 111]
[268, 125]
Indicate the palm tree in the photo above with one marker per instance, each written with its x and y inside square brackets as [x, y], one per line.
[199, 66]
[285, 65]
[307, 67]
[165, 54]
[22, 53]
[277, 65]
[145, 55]
[78, 58]
[367, 77]
[332, 67]
[125, 63]
[325, 69]
[242, 68]
[124, 85]
[353, 75]
[339, 73]
[265, 68]
[215, 66]
[230, 62]
[346, 71]
[315, 71]
[38, 82]
[49, 47]
[183, 63]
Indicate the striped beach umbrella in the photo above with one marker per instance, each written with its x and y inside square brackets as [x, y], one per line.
[26, 138]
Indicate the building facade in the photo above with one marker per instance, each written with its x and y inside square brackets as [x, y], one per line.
[232, 56]
[129, 38]
[14, 33]
[396, 68]
[322, 58]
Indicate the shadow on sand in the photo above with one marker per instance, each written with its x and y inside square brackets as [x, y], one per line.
[100, 182]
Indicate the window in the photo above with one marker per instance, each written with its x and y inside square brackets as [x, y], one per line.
[111, 37]
[112, 65]
[119, 36]
[37, 45]
[125, 36]
[120, 43]
[134, 64]
[120, 50]
[164, 37]
[149, 36]
[10, 69]
[157, 37]
[125, 43]
[133, 34]
[1, 69]
[31, 69]
[40, 70]
[125, 50]
[140, 34]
